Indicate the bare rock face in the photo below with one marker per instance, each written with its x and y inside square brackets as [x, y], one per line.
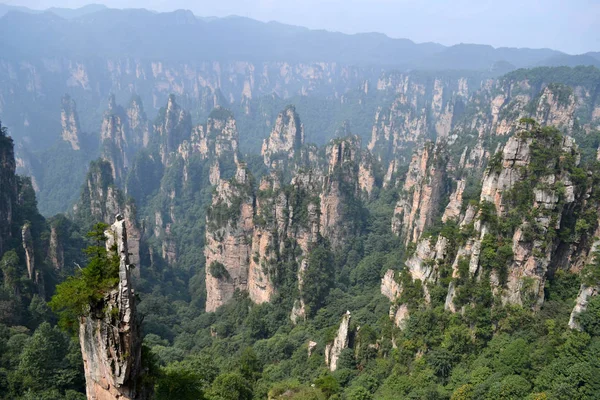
[174, 126]
[423, 188]
[389, 287]
[341, 190]
[228, 239]
[286, 139]
[138, 123]
[276, 227]
[71, 130]
[109, 336]
[123, 133]
[556, 107]
[55, 249]
[452, 211]
[341, 342]
[217, 140]
[585, 294]
[515, 155]
[100, 200]
[33, 272]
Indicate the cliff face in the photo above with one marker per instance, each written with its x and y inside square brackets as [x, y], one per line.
[101, 200]
[216, 141]
[8, 194]
[200, 85]
[424, 107]
[340, 342]
[348, 176]
[228, 239]
[531, 169]
[110, 336]
[21, 226]
[173, 126]
[33, 270]
[123, 133]
[252, 239]
[286, 139]
[423, 188]
[69, 120]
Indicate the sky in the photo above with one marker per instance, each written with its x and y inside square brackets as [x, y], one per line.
[572, 26]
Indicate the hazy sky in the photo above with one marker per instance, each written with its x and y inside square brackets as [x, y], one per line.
[572, 26]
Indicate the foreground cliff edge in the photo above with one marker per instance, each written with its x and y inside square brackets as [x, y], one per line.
[110, 335]
[101, 301]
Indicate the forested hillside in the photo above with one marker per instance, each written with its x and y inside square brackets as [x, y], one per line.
[448, 251]
[224, 209]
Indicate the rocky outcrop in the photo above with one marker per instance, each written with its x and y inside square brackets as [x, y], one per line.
[56, 253]
[69, 120]
[423, 188]
[228, 239]
[110, 335]
[454, 207]
[286, 139]
[216, 141]
[341, 342]
[123, 133]
[556, 107]
[173, 126]
[340, 198]
[138, 123]
[585, 294]
[33, 271]
[8, 194]
[528, 253]
[389, 287]
[265, 240]
[101, 199]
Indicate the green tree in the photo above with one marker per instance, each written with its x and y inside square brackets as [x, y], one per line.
[84, 291]
[231, 386]
[318, 278]
[44, 362]
[590, 318]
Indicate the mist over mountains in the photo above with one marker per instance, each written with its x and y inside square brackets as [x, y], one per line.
[97, 31]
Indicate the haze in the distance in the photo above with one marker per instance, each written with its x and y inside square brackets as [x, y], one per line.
[570, 26]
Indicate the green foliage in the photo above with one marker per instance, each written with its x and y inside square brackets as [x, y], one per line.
[318, 278]
[218, 270]
[231, 386]
[590, 318]
[85, 291]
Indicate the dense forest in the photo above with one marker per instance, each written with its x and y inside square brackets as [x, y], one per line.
[409, 235]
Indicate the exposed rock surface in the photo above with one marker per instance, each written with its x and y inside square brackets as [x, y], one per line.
[340, 196]
[341, 342]
[424, 185]
[33, 271]
[55, 249]
[532, 254]
[228, 239]
[286, 139]
[585, 293]
[452, 211]
[123, 133]
[275, 226]
[69, 120]
[389, 287]
[110, 335]
[173, 127]
[101, 200]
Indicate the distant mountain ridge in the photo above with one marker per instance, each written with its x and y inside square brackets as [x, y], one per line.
[96, 30]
